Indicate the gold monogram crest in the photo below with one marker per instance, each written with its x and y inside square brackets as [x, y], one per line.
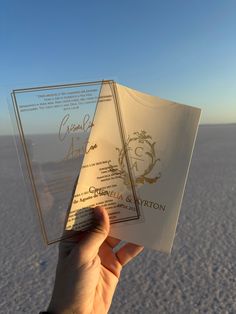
[142, 157]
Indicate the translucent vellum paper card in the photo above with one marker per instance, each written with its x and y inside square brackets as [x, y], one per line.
[54, 124]
[159, 138]
[99, 182]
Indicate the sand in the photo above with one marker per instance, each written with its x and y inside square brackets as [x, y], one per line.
[198, 277]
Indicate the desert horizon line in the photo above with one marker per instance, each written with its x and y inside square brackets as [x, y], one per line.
[200, 125]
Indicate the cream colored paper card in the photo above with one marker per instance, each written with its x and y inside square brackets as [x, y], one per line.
[159, 138]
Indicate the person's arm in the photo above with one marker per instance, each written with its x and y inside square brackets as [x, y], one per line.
[88, 270]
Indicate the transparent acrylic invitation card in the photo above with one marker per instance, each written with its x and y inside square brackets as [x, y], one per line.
[54, 124]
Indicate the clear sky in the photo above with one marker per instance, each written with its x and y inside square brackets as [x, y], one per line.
[179, 50]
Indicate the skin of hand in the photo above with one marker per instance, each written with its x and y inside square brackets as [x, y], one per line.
[88, 270]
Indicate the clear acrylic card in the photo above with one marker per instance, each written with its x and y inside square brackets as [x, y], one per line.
[54, 124]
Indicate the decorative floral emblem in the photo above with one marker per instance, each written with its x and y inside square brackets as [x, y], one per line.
[142, 159]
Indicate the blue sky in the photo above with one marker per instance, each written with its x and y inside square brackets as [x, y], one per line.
[179, 50]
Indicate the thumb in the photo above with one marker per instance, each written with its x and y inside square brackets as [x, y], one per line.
[88, 247]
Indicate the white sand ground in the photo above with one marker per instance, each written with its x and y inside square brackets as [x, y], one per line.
[198, 277]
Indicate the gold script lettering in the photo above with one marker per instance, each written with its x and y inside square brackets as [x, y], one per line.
[66, 128]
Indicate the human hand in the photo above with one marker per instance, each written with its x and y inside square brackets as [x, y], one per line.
[88, 270]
